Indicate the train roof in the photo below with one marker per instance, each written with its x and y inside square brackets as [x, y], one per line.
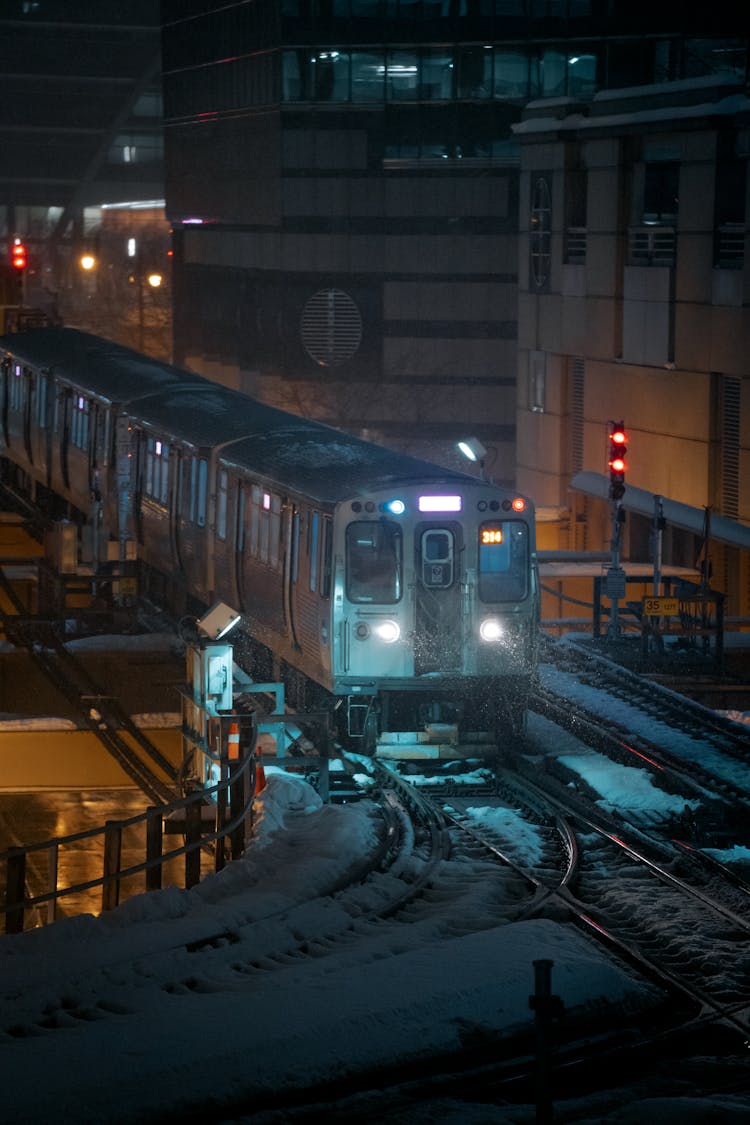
[297, 454]
[111, 371]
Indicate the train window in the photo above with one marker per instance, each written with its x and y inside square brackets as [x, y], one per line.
[79, 422]
[15, 391]
[437, 551]
[312, 549]
[264, 530]
[374, 561]
[41, 401]
[221, 504]
[157, 470]
[198, 475]
[503, 561]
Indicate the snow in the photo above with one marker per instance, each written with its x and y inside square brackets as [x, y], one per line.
[133, 1016]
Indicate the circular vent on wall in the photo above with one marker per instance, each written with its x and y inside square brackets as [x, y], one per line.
[331, 327]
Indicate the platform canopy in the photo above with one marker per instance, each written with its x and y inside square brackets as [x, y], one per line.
[639, 500]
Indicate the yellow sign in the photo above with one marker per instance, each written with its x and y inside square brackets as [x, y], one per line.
[492, 535]
[661, 607]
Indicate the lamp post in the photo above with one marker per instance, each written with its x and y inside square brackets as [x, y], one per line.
[473, 450]
[153, 280]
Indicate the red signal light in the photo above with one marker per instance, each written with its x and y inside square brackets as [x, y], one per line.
[616, 462]
[18, 255]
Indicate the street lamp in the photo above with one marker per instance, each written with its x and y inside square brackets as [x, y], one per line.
[472, 449]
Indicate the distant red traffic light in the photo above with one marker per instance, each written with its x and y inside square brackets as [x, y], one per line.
[18, 256]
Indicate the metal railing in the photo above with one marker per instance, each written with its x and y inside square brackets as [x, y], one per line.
[730, 246]
[652, 246]
[216, 820]
[575, 245]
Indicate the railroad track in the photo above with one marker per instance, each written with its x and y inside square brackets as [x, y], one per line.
[656, 700]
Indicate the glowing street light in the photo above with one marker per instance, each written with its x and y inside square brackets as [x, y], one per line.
[87, 262]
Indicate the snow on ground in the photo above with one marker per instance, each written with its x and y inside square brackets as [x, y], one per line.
[230, 1030]
[141, 1029]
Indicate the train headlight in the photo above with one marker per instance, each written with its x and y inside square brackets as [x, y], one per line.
[491, 630]
[388, 631]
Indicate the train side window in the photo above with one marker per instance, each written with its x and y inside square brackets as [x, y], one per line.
[312, 548]
[503, 561]
[79, 422]
[198, 477]
[15, 395]
[202, 482]
[41, 401]
[221, 504]
[157, 470]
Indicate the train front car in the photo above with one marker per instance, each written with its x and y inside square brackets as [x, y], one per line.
[435, 609]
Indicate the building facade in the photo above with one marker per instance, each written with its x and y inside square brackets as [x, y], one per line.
[82, 139]
[349, 183]
[634, 283]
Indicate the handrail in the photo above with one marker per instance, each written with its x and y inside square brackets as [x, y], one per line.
[233, 796]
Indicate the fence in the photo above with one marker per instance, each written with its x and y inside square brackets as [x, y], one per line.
[215, 820]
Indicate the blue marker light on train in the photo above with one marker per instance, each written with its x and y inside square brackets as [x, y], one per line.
[395, 507]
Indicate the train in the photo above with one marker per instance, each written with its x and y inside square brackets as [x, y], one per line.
[399, 593]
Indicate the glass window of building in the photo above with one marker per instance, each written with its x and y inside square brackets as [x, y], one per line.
[474, 72]
[368, 76]
[511, 74]
[402, 76]
[436, 75]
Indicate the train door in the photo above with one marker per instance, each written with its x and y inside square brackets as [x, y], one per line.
[291, 570]
[239, 546]
[5, 368]
[177, 485]
[438, 638]
[28, 406]
[62, 426]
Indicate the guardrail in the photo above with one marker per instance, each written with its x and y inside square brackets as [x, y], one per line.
[216, 820]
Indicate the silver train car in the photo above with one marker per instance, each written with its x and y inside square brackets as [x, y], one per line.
[395, 591]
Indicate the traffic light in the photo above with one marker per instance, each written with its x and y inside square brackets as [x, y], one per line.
[617, 463]
[18, 256]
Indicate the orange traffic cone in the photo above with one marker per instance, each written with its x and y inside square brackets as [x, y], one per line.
[260, 774]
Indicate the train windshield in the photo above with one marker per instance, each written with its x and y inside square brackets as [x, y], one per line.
[503, 561]
[373, 562]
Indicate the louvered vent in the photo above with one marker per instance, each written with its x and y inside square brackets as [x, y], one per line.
[331, 327]
[576, 413]
[730, 449]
